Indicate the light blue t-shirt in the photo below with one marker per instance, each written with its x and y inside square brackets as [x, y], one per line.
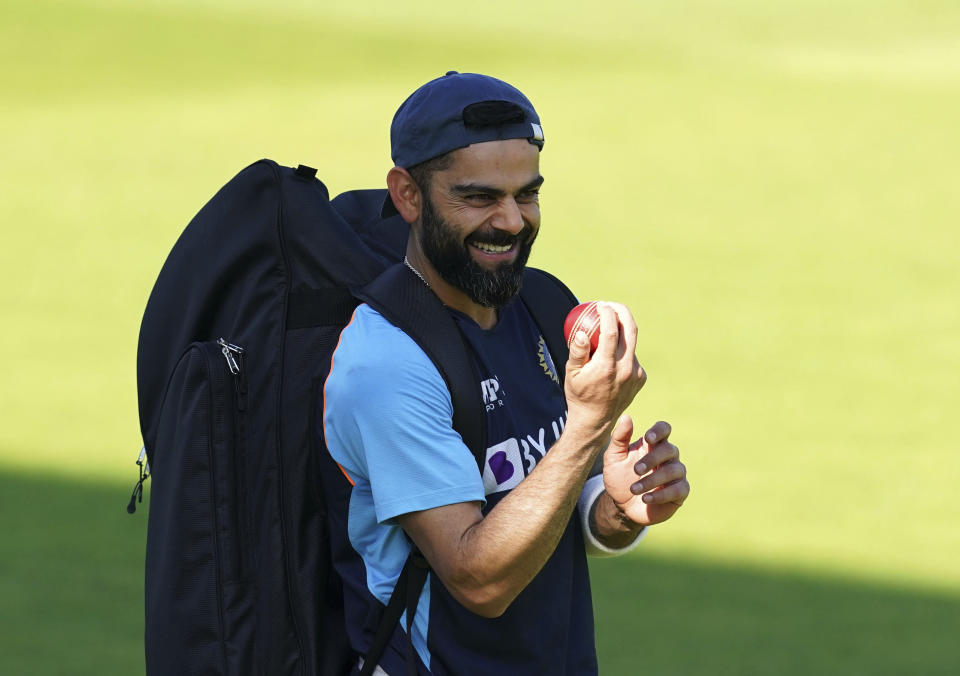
[388, 424]
[379, 440]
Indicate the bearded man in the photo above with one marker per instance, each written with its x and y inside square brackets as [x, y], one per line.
[508, 589]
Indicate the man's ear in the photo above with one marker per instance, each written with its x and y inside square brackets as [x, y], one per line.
[405, 193]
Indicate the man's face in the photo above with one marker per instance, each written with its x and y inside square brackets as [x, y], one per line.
[480, 217]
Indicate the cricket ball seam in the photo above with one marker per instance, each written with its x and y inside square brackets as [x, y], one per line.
[578, 323]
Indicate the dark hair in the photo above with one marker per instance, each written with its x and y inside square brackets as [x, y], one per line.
[423, 173]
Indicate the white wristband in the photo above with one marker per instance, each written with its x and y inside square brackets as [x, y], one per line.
[592, 490]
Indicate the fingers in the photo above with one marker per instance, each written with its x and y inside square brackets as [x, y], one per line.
[639, 373]
[628, 329]
[665, 475]
[579, 350]
[609, 332]
[676, 493]
[667, 482]
[618, 343]
[618, 331]
[620, 440]
[600, 387]
[658, 453]
[659, 432]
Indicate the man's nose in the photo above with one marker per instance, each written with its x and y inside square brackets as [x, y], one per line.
[508, 216]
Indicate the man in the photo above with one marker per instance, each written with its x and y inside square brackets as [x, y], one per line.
[508, 590]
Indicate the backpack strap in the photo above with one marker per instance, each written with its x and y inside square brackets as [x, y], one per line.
[548, 301]
[406, 302]
[405, 596]
[332, 306]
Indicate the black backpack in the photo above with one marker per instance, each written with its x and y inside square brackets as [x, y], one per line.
[234, 347]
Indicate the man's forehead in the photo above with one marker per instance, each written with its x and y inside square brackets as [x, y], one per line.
[508, 157]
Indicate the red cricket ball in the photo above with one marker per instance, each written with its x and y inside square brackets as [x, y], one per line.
[583, 317]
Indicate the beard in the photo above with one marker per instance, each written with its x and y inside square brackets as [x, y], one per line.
[451, 257]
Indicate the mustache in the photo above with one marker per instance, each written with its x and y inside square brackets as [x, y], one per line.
[499, 237]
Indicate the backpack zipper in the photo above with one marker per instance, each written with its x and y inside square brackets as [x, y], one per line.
[234, 356]
[144, 465]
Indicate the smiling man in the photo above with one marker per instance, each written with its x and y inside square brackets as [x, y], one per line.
[508, 590]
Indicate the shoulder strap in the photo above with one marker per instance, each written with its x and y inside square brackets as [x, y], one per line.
[548, 301]
[406, 302]
[405, 596]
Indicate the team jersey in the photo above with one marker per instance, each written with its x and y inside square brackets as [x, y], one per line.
[387, 423]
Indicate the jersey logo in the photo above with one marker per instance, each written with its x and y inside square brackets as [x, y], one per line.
[510, 461]
[546, 361]
[491, 393]
[503, 469]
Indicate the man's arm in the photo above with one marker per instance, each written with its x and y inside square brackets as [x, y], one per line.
[485, 562]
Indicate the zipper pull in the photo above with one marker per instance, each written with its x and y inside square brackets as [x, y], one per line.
[144, 466]
[234, 356]
[231, 353]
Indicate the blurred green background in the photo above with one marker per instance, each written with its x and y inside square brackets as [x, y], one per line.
[771, 187]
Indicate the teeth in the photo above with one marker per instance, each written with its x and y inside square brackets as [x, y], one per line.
[493, 248]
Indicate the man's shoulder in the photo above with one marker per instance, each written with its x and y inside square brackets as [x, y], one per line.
[369, 320]
[372, 352]
[371, 335]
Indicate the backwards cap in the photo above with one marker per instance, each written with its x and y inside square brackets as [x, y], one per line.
[457, 110]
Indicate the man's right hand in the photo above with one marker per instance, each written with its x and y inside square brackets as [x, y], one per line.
[599, 388]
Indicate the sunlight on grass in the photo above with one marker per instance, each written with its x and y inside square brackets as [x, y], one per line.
[771, 188]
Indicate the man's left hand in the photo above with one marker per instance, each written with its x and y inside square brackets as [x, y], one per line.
[645, 479]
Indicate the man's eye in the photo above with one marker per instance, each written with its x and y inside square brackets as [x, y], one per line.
[479, 197]
[529, 196]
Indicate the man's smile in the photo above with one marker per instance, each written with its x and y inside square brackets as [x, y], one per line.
[491, 255]
[493, 248]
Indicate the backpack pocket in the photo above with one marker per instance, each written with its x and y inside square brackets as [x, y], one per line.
[196, 553]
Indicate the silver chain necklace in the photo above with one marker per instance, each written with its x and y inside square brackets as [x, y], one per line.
[406, 261]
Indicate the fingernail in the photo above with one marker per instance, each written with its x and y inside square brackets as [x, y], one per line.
[581, 338]
[648, 498]
[651, 437]
[640, 468]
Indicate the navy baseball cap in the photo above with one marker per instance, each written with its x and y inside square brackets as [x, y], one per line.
[455, 111]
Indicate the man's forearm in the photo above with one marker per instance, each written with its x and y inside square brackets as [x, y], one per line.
[496, 557]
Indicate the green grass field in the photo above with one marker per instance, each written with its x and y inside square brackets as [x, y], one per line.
[771, 187]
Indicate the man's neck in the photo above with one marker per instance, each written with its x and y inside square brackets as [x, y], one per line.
[449, 295]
